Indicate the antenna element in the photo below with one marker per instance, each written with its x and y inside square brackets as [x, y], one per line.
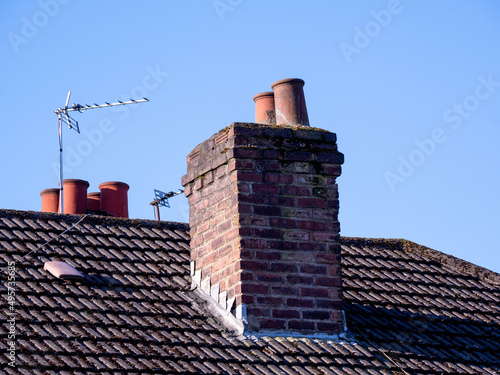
[63, 117]
[161, 199]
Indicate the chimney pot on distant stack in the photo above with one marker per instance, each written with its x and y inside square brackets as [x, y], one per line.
[75, 196]
[94, 201]
[114, 198]
[50, 200]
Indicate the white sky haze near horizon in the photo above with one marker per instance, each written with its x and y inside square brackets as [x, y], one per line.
[411, 88]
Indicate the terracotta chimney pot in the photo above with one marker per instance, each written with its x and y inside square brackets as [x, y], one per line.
[114, 198]
[290, 103]
[50, 200]
[94, 201]
[75, 196]
[264, 108]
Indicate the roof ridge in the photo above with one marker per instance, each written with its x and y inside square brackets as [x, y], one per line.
[444, 259]
[93, 219]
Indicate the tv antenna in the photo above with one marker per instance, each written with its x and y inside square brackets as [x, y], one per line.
[161, 199]
[63, 117]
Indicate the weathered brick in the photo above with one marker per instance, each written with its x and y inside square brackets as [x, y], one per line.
[309, 134]
[248, 176]
[324, 236]
[266, 233]
[299, 235]
[270, 300]
[279, 200]
[314, 292]
[248, 153]
[311, 202]
[265, 188]
[283, 245]
[272, 324]
[282, 222]
[331, 169]
[300, 279]
[328, 304]
[250, 265]
[316, 315]
[300, 302]
[268, 277]
[300, 155]
[313, 269]
[301, 325]
[268, 255]
[285, 290]
[335, 158]
[285, 314]
[267, 210]
[254, 288]
[295, 190]
[311, 225]
[313, 246]
[253, 220]
[277, 178]
[283, 267]
[273, 131]
[329, 327]
[253, 243]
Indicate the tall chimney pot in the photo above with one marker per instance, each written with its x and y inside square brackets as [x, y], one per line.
[50, 200]
[114, 198]
[290, 103]
[264, 108]
[75, 196]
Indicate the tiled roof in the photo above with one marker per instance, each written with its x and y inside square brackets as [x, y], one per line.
[409, 309]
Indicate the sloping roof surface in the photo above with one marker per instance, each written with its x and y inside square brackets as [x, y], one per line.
[406, 310]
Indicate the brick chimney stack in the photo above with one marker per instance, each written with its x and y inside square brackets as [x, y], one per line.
[264, 229]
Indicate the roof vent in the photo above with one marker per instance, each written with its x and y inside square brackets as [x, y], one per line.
[63, 270]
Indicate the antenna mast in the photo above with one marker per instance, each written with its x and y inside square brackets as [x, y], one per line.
[62, 116]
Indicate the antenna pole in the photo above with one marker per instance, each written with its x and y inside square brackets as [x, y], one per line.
[61, 200]
[59, 120]
[157, 212]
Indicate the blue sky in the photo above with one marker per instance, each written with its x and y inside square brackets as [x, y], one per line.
[412, 89]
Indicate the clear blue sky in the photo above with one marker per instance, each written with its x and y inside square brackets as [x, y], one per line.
[412, 89]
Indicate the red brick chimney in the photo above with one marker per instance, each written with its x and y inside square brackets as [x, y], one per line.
[264, 229]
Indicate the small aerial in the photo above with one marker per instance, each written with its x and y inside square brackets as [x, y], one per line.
[161, 199]
[63, 117]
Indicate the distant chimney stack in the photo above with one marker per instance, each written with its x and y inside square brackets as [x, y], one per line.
[50, 200]
[290, 103]
[264, 108]
[75, 196]
[114, 198]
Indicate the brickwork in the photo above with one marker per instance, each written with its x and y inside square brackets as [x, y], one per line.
[264, 229]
